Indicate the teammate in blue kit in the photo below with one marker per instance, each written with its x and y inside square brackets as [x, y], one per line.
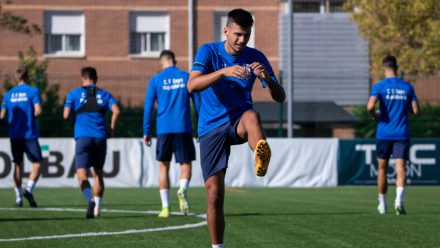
[226, 115]
[174, 131]
[90, 104]
[396, 100]
[22, 104]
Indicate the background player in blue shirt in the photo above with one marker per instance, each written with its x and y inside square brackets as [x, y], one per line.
[224, 73]
[396, 100]
[22, 103]
[90, 105]
[174, 131]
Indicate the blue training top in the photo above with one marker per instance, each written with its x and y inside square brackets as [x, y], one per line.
[229, 97]
[395, 97]
[19, 102]
[168, 88]
[89, 123]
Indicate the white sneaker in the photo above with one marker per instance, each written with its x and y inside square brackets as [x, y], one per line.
[382, 208]
[96, 212]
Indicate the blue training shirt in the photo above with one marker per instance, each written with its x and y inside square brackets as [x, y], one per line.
[89, 124]
[395, 97]
[19, 103]
[229, 97]
[168, 88]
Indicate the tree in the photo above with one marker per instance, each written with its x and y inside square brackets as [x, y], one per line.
[15, 23]
[408, 29]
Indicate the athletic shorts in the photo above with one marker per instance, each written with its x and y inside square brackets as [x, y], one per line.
[215, 147]
[386, 149]
[181, 144]
[90, 152]
[29, 146]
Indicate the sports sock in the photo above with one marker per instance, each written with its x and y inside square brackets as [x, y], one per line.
[30, 186]
[87, 193]
[184, 183]
[400, 191]
[218, 246]
[97, 201]
[18, 194]
[382, 198]
[164, 195]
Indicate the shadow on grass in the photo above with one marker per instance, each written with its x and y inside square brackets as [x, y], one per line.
[294, 214]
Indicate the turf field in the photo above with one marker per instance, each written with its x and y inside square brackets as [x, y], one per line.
[255, 217]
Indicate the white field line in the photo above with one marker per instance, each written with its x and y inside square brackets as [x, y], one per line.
[94, 234]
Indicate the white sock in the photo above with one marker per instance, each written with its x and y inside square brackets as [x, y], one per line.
[18, 194]
[400, 191]
[87, 193]
[218, 246]
[184, 183]
[382, 199]
[97, 201]
[30, 186]
[164, 195]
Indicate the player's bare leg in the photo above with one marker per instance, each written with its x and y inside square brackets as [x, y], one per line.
[215, 195]
[98, 189]
[84, 184]
[185, 177]
[33, 178]
[18, 175]
[164, 186]
[382, 184]
[251, 129]
[400, 186]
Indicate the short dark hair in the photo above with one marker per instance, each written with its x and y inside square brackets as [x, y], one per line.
[240, 17]
[22, 73]
[390, 62]
[169, 55]
[90, 73]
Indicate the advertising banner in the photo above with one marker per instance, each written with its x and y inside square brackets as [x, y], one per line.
[357, 163]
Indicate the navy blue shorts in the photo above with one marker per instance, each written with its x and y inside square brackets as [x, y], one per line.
[90, 152]
[215, 147]
[392, 148]
[29, 146]
[181, 144]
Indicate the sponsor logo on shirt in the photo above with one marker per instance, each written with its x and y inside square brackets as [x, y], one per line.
[19, 97]
[396, 94]
[173, 84]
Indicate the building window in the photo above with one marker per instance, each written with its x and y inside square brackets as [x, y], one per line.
[149, 33]
[220, 19]
[318, 6]
[64, 33]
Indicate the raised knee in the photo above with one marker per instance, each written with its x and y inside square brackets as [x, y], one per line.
[252, 115]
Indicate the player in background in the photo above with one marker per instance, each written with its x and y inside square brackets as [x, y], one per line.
[173, 124]
[90, 104]
[396, 99]
[22, 104]
[224, 73]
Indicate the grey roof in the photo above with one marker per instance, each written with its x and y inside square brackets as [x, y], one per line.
[305, 112]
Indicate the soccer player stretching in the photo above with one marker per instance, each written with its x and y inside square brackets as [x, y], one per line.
[90, 105]
[396, 99]
[224, 73]
[174, 131]
[22, 104]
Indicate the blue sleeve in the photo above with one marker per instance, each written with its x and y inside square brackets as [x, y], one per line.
[36, 97]
[413, 96]
[202, 61]
[375, 90]
[5, 101]
[150, 98]
[110, 100]
[70, 100]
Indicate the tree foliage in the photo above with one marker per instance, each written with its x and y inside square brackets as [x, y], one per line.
[408, 29]
[16, 23]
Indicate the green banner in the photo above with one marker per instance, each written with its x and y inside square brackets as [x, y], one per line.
[357, 164]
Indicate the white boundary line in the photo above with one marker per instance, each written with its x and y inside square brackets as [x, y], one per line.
[94, 234]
